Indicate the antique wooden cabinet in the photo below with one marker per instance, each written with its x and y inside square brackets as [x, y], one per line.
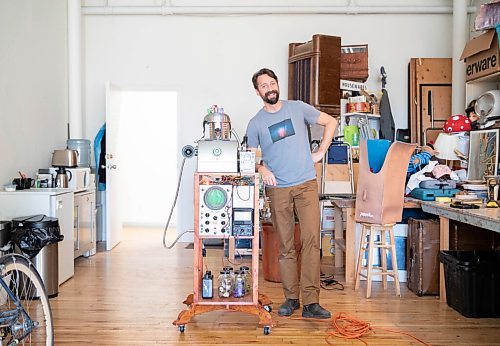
[314, 72]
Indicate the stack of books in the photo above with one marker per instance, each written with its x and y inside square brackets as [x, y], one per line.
[467, 199]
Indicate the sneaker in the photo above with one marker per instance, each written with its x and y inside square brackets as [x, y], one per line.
[288, 307]
[315, 311]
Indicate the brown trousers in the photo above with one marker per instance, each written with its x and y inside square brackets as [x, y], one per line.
[304, 200]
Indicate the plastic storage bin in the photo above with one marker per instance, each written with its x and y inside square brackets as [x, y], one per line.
[472, 282]
[84, 150]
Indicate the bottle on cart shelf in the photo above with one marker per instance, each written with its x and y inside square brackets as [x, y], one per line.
[231, 272]
[239, 285]
[248, 278]
[207, 285]
[225, 284]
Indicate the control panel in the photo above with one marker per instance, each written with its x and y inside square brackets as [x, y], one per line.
[215, 210]
[242, 222]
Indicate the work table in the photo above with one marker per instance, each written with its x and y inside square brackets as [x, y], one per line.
[487, 218]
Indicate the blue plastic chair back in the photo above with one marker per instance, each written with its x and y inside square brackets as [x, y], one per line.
[377, 151]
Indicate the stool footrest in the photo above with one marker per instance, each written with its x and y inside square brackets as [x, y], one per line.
[377, 239]
[377, 272]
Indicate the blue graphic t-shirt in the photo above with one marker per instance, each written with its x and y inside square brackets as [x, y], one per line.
[283, 140]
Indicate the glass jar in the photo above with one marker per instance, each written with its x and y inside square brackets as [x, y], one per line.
[225, 284]
[247, 274]
[230, 270]
[239, 284]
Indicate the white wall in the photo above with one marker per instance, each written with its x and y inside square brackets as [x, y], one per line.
[207, 59]
[33, 84]
[210, 60]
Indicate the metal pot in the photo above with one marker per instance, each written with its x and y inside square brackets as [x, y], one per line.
[65, 158]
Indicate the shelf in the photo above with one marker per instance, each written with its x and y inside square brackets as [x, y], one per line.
[209, 236]
[216, 300]
[369, 115]
[495, 77]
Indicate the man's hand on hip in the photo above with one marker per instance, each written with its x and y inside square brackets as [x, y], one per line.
[317, 156]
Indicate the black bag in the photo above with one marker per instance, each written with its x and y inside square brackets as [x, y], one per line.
[32, 233]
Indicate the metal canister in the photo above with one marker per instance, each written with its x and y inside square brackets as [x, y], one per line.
[219, 124]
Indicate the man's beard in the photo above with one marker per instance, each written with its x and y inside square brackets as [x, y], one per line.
[274, 100]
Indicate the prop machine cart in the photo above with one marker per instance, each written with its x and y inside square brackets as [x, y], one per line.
[216, 217]
[226, 206]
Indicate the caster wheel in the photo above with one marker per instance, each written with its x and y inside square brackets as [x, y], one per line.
[268, 308]
[267, 330]
[182, 328]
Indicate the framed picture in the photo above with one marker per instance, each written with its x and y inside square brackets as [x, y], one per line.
[483, 154]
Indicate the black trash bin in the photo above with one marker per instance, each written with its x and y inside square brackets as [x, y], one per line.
[36, 237]
[472, 282]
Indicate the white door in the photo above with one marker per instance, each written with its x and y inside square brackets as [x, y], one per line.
[113, 208]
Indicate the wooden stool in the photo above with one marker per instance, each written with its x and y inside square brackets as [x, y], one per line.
[369, 245]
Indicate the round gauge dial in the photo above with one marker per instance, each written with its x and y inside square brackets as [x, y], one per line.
[215, 198]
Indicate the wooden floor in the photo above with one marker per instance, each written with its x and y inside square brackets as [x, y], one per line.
[132, 294]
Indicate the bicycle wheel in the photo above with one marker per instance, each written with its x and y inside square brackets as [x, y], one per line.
[33, 326]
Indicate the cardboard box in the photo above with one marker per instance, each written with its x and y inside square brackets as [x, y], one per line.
[481, 56]
[327, 244]
[328, 222]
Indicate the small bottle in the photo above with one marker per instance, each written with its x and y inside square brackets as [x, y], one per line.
[355, 139]
[239, 284]
[207, 285]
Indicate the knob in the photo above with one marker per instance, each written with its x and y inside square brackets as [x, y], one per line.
[223, 230]
[207, 222]
[215, 217]
[207, 230]
[223, 222]
[188, 151]
[223, 214]
[217, 151]
[207, 214]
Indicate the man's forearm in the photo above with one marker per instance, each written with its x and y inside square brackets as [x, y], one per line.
[329, 131]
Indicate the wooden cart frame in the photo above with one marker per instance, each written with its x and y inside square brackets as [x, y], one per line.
[254, 303]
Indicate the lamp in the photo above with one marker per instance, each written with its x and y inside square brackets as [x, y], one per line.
[445, 146]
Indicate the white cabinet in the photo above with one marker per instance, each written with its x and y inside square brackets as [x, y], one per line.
[51, 202]
[85, 224]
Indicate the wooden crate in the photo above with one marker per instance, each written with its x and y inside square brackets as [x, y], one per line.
[354, 62]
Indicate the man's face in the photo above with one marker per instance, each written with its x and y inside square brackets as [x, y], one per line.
[268, 89]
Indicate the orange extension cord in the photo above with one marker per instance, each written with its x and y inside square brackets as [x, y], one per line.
[343, 326]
